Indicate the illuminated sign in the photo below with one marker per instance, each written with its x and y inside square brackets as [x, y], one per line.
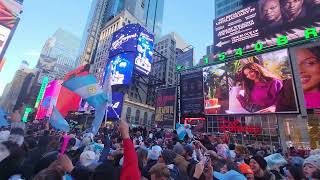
[236, 127]
[144, 52]
[121, 67]
[44, 84]
[114, 111]
[26, 114]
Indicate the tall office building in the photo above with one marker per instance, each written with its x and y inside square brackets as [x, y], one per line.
[58, 55]
[148, 12]
[223, 7]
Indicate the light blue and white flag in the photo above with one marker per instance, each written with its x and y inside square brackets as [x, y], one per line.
[3, 120]
[58, 122]
[181, 131]
[99, 114]
[107, 89]
[88, 88]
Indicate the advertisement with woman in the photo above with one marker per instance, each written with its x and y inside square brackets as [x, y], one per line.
[259, 84]
[308, 64]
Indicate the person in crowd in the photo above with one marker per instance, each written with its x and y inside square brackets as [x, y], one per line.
[167, 156]
[308, 60]
[246, 171]
[292, 172]
[142, 157]
[259, 167]
[261, 89]
[311, 165]
[293, 10]
[160, 172]
[153, 156]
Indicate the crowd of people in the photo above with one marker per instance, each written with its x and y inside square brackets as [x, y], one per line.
[35, 151]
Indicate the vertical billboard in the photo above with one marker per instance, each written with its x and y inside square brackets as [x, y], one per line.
[49, 99]
[134, 39]
[9, 17]
[263, 21]
[258, 84]
[114, 111]
[166, 107]
[121, 67]
[308, 65]
[191, 89]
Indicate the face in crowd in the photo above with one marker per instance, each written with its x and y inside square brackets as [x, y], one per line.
[271, 10]
[309, 68]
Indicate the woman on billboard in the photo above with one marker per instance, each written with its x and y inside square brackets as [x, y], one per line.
[308, 60]
[261, 89]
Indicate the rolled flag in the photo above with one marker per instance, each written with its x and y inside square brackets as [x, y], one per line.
[88, 88]
[58, 122]
[181, 131]
[3, 119]
[275, 159]
[99, 114]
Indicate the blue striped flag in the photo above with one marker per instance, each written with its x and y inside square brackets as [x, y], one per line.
[3, 120]
[58, 122]
[99, 114]
[88, 88]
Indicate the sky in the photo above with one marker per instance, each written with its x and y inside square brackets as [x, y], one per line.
[191, 19]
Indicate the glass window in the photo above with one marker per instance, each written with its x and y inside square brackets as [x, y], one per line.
[137, 116]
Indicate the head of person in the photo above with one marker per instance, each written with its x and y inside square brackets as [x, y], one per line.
[311, 165]
[167, 157]
[178, 148]
[293, 173]
[160, 171]
[220, 166]
[49, 174]
[142, 157]
[292, 8]
[154, 153]
[270, 10]
[258, 164]
[188, 151]
[308, 60]
[246, 171]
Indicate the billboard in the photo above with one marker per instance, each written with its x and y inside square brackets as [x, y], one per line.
[144, 52]
[9, 17]
[258, 84]
[135, 39]
[165, 107]
[263, 22]
[49, 99]
[308, 65]
[185, 59]
[116, 108]
[191, 89]
[121, 67]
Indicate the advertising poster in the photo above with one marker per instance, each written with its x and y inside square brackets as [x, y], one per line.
[121, 67]
[308, 64]
[258, 84]
[144, 52]
[191, 94]
[263, 21]
[165, 107]
[116, 108]
[125, 40]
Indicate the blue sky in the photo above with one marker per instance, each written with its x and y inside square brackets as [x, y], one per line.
[191, 19]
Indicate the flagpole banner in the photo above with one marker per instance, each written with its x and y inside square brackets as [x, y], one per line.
[88, 88]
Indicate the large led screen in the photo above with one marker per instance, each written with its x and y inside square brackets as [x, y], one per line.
[264, 21]
[144, 52]
[114, 111]
[125, 40]
[121, 67]
[308, 64]
[258, 84]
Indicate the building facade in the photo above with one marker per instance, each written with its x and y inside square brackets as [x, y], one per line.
[223, 7]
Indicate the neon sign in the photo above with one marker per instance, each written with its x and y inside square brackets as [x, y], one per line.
[26, 114]
[44, 84]
[282, 41]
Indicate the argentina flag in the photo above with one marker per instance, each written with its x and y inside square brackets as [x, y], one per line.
[88, 88]
[58, 122]
[181, 131]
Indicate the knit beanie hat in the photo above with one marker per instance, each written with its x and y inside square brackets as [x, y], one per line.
[261, 161]
[168, 156]
[178, 148]
[313, 160]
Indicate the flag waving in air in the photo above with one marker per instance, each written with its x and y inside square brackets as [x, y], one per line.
[3, 120]
[88, 88]
[58, 122]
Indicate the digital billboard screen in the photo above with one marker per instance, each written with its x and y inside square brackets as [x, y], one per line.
[144, 52]
[258, 84]
[121, 67]
[116, 108]
[191, 93]
[308, 65]
[125, 40]
[263, 22]
[165, 107]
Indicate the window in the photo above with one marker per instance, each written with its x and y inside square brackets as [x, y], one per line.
[137, 116]
[128, 114]
[145, 118]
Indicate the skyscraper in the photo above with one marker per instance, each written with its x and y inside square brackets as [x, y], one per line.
[58, 55]
[223, 7]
